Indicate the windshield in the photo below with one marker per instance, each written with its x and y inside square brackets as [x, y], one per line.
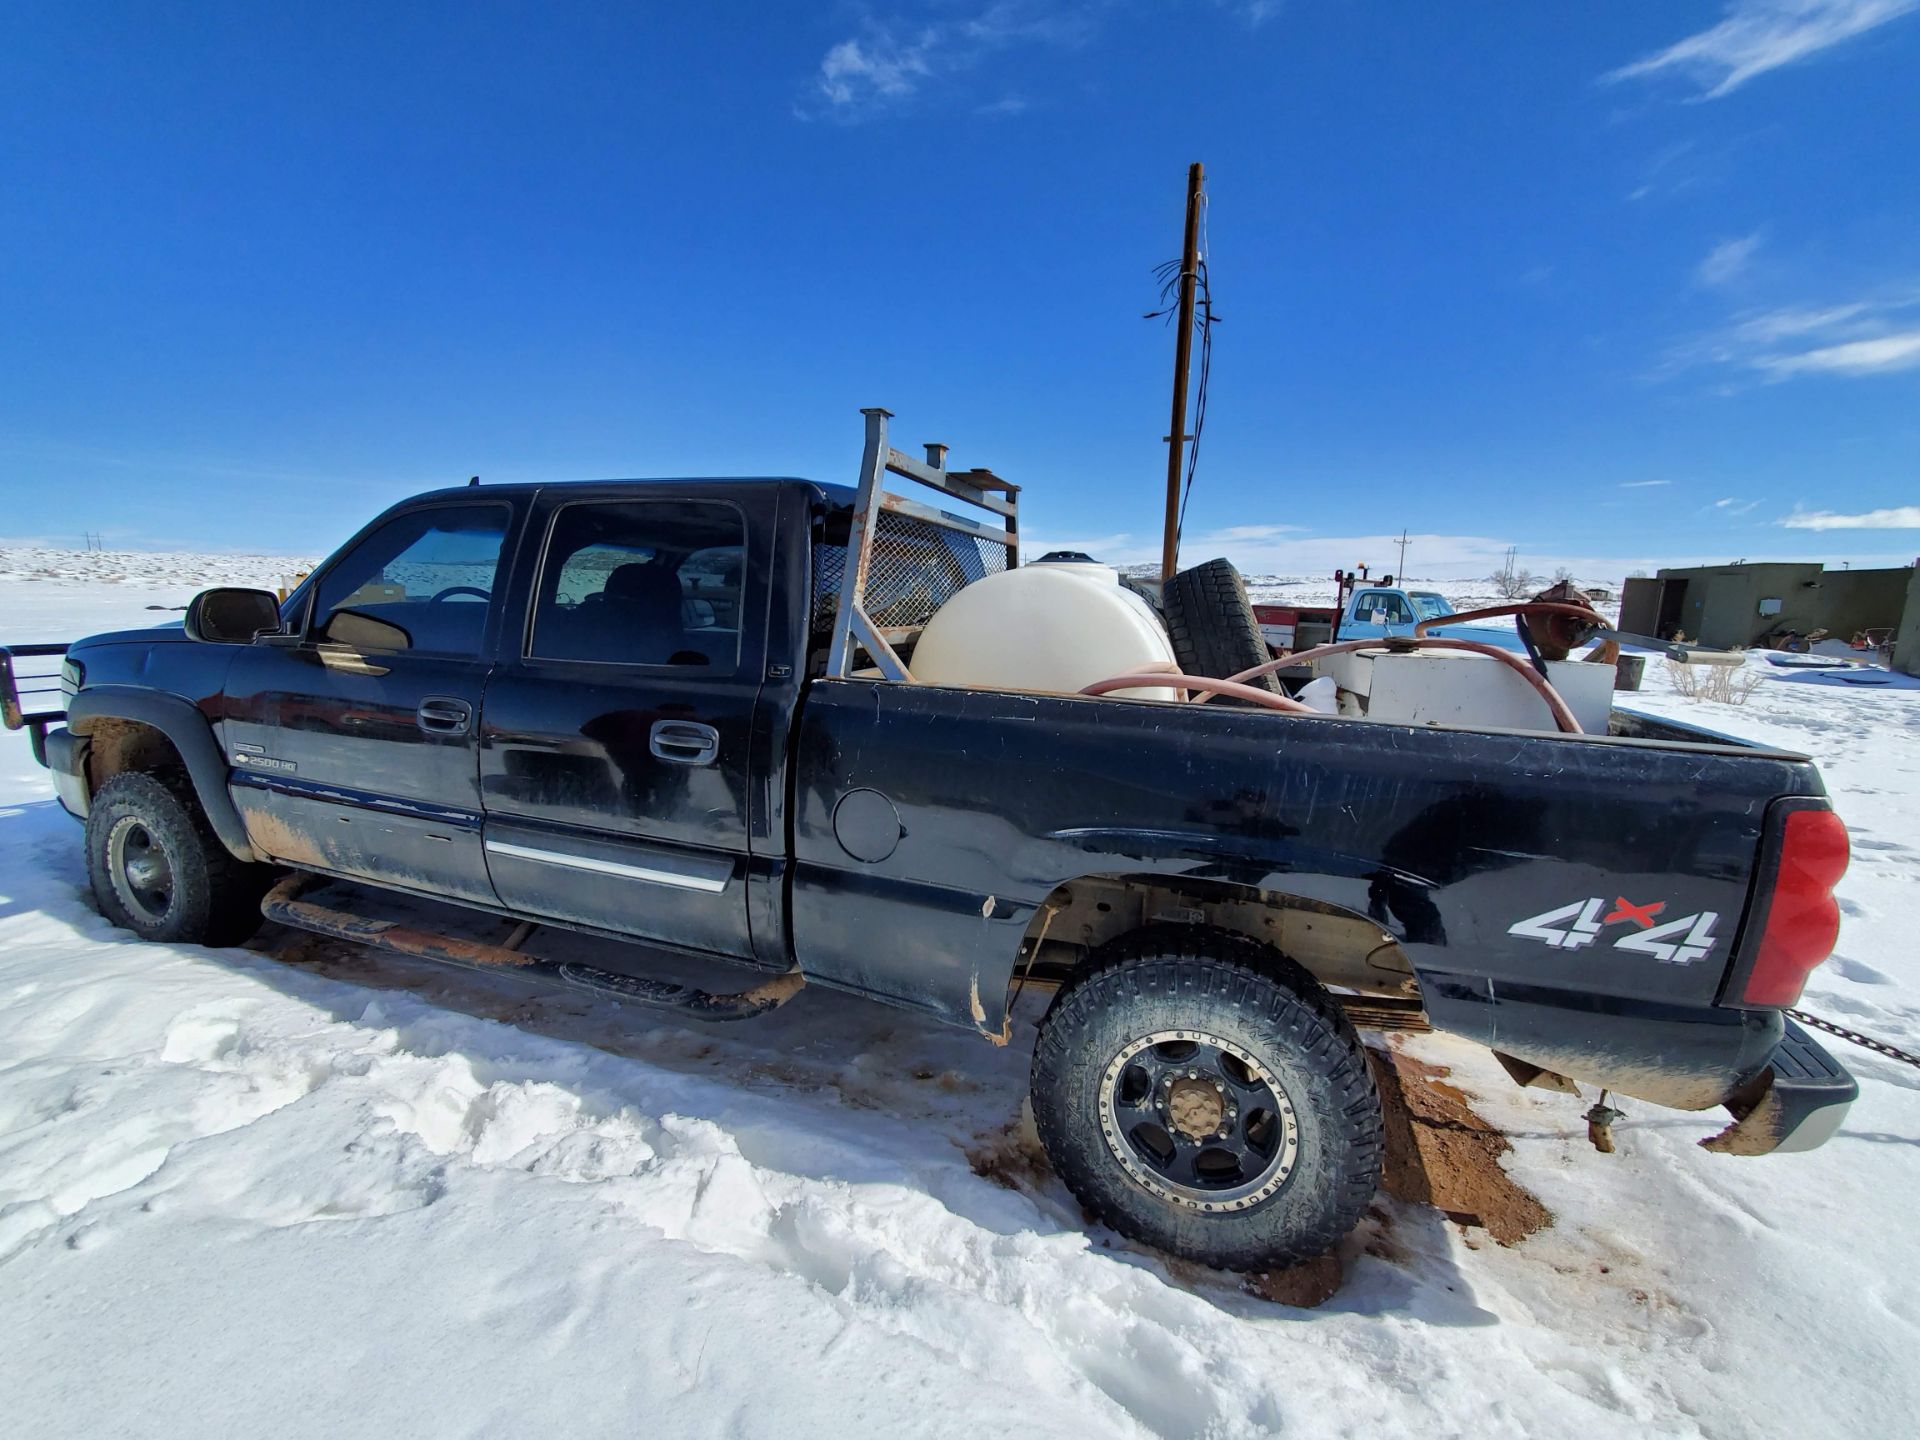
[1428, 605]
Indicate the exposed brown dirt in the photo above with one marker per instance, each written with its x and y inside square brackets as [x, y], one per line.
[1304, 1286]
[1011, 1156]
[1440, 1153]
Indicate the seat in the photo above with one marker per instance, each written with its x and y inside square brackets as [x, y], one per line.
[640, 617]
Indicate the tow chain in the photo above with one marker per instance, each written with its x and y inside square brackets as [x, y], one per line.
[1879, 1047]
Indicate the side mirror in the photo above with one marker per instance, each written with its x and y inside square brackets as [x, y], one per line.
[230, 616]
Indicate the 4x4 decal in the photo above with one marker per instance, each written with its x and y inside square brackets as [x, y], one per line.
[1674, 942]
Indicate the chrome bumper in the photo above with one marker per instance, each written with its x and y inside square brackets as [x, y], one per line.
[66, 756]
[1796, 1103]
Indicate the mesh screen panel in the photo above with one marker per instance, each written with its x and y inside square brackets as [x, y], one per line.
[915, 569]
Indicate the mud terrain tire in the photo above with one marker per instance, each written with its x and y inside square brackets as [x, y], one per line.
[158, 869]
[1212, 626]
[1296, 1111]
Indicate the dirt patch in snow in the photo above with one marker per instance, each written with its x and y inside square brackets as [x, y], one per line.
[1303, 1286]
[1440, 1153]
[1011, 1155]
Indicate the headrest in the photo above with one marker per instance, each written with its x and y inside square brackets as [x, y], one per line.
[642, 582]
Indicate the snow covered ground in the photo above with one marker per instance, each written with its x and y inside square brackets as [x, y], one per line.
[355, 1196]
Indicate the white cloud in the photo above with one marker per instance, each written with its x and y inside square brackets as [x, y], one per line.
[892, 59]
[1790, 321]
[1878, 356]
[1897, 517]
[1855, 340]
[1642, 484]
[1236, 533]
[922, 43]
[1254, 12]
[1726, 261]
[882, 67]
[1731, 507]
[1761, 35]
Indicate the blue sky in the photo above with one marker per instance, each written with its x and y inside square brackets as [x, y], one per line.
[1620, 284]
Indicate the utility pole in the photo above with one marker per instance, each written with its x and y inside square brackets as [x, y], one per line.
[1401, 570]
[1182, 361]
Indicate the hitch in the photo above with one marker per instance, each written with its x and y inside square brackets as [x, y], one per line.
[1600, 1120]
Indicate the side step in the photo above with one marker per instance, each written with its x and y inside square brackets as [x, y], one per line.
[283, 903]
[1385, 1012]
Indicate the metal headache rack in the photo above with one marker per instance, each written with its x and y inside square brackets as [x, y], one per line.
[905, 559]
[33, 697]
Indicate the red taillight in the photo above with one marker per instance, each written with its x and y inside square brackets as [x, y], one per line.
[1803, 918]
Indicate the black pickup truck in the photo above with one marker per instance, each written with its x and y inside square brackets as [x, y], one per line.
[682, 712]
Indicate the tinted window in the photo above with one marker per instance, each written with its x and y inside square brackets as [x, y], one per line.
[419, 582]
[642, 582]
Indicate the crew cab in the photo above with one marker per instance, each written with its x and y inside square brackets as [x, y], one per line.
[684, 713]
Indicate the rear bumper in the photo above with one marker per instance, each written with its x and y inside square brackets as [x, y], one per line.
[66, 761]
[1796, 1103]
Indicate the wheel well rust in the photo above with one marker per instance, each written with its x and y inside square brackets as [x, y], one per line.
[1340, 948]
[116, 746]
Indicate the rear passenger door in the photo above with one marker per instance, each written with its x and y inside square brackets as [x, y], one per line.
[617, 767]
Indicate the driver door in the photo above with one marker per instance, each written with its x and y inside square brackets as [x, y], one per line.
[354, 741]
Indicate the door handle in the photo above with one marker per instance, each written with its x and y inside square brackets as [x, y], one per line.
[443, 715]
[684, 742]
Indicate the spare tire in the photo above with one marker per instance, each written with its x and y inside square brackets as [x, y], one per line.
[1211, 624]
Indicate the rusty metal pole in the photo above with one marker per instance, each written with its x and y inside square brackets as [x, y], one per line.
[1182, 362]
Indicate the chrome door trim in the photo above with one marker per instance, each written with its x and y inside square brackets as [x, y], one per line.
[678, 879]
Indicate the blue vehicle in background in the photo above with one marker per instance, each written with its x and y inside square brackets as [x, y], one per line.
[1372, 612]
[1378, 611]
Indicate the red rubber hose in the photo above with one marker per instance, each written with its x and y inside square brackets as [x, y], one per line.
[1164, 681]
[1562, 716]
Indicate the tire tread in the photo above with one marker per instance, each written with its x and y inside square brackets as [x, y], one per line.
[1265, 988]
[1212, 626]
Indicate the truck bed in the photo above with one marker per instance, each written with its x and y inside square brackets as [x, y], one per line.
[1447, 840]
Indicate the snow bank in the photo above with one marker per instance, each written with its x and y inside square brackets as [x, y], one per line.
[360, 1197]
[148, 569]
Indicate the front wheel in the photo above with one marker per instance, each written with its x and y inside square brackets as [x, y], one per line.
[159, 870]
[1203, 1094]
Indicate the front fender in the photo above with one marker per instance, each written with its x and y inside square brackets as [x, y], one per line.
[190, 734]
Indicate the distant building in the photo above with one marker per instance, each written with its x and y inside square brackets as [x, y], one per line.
[1731, 606]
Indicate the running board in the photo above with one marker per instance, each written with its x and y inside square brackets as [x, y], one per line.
[283, 904]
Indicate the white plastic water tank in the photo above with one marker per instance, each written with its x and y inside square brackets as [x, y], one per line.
[1056, 627]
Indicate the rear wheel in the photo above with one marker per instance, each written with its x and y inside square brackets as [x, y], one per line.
[1212, 626]
[158, 869]
[1201, 1093]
